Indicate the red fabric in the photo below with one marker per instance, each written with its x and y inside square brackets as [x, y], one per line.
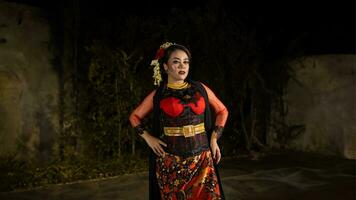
[173, 107]
[199, 107]
[147, 105]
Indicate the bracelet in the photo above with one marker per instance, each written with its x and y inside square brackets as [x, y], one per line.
[218, 130]
[139, 129]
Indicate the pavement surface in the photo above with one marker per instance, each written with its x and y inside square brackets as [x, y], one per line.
[287, 176]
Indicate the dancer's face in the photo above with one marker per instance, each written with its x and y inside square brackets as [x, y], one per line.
[177, 66]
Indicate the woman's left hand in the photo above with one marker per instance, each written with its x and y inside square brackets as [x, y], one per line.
[215, 150]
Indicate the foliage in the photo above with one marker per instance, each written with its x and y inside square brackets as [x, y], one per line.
[113, 76]
[19, 174]
[228, 56]
[113, 92]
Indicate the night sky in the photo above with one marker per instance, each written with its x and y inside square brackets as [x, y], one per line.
[325, 27]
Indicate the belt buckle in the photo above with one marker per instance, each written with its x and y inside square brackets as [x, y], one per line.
[188, 131]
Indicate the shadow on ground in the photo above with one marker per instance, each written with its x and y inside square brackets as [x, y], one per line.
[287, 176]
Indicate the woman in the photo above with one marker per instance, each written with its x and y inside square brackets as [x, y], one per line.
[183, 141]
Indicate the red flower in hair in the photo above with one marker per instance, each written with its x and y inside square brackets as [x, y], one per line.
[160, 53]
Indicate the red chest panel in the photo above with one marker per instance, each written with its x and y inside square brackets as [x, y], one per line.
[173, 107]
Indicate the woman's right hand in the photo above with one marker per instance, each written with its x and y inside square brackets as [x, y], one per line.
[154, 143]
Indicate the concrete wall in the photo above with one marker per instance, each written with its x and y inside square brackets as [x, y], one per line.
[28, 83]
[324, 101]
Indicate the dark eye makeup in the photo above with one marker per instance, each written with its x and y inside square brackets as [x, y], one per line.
[177, 61]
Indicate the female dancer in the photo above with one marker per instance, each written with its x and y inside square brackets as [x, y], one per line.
[183, 141]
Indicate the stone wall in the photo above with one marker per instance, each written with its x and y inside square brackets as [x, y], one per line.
[324, 100]
[28, 83]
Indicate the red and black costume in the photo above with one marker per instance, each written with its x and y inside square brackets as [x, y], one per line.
[187, 171]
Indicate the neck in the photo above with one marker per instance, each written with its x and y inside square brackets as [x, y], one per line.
[172, 80]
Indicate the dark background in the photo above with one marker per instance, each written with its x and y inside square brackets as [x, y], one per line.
[243, 47]
[324, 27]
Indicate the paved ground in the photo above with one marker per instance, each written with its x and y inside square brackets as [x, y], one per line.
[286, 176]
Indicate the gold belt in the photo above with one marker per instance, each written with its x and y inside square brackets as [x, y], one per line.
[186, 131]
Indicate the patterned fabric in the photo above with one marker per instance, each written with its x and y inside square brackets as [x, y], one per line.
[186, 147]
[187, 171]
[180, 108]
[146, 106]
[192, 178]
[198, 176]
[186, 118]
[173, 107]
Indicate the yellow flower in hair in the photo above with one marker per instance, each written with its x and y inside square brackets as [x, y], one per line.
[156, 70]
[154, 62]
[166, 45]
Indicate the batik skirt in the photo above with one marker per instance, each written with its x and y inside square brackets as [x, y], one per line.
[191, 178]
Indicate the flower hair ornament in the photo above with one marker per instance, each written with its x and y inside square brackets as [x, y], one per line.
[155, 63]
